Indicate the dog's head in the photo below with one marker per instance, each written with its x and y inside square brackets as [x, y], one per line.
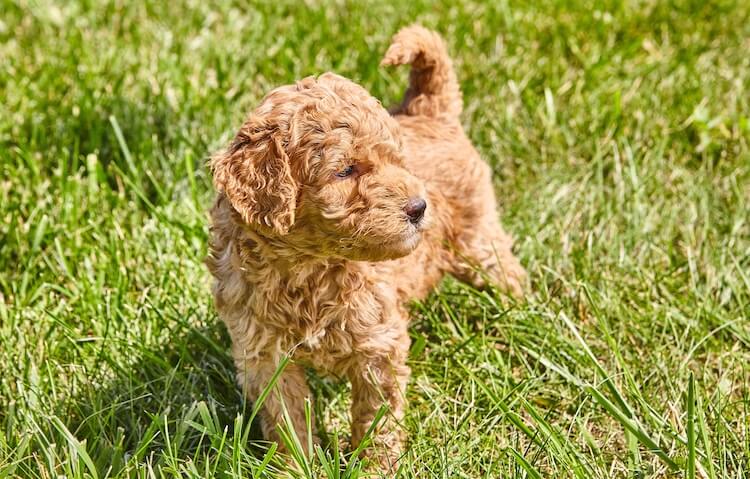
[319, 167]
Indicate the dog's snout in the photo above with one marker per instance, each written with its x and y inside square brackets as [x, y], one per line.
[415, 209]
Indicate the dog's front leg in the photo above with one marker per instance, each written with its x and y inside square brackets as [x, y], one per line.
[379, 376]
[290, 392]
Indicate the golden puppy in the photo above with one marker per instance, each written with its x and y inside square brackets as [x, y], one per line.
[331, 215]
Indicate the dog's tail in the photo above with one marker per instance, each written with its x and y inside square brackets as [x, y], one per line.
[433, 88]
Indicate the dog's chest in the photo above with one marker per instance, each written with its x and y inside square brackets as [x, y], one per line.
[321, 315]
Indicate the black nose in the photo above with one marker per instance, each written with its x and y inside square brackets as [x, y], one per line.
[415, 209]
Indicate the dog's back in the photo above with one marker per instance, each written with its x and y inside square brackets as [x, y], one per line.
[458, 182]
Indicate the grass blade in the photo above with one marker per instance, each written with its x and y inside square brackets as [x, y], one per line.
[690, 472]
[531, 471]
[77, 446]
[631, 426]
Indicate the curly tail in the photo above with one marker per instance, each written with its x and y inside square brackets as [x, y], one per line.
[433, 88]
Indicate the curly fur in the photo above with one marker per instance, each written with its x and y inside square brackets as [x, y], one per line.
[320, 267]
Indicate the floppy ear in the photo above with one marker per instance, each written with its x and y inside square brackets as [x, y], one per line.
[255, 175]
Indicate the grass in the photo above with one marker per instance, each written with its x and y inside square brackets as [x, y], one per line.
[619, 133]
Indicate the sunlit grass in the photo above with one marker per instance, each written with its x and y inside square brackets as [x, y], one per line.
[619, 133]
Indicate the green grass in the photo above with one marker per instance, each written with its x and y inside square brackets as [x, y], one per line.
[620, 138]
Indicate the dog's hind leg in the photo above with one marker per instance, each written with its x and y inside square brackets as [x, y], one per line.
[485, 256]
[483, 249]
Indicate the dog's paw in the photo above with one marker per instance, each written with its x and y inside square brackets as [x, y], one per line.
[515, 281]
[509, 276]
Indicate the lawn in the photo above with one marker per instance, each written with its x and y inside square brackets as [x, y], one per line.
[620, 138]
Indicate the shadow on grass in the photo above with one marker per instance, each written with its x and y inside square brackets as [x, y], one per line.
[148, 405]
[172, 401]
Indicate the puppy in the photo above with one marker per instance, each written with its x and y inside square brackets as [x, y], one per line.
[331, 215]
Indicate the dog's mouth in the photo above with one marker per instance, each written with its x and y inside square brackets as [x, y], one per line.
[397, 248]
[372, 246]
[404, 246]
[405, 243]
[380, 249]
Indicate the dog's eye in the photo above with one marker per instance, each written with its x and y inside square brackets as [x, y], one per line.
[348, 171]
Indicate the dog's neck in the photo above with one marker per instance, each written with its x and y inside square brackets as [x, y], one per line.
[275, 253]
